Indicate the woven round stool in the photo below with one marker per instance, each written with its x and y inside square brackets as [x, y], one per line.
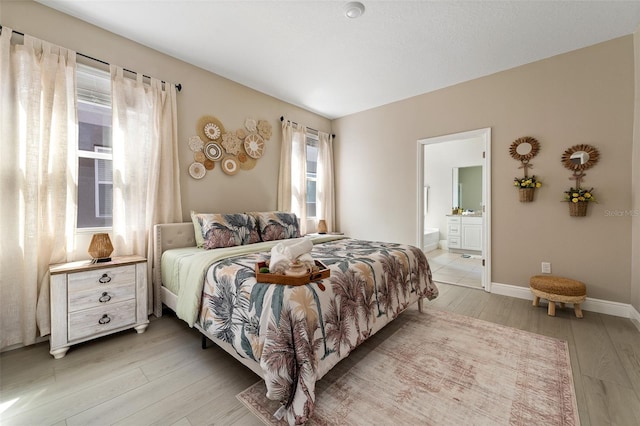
[558, 289]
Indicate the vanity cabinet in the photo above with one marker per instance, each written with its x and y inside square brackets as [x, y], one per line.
[471, 233]
[464, 232]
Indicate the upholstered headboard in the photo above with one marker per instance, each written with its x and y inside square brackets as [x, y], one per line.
[168, 236]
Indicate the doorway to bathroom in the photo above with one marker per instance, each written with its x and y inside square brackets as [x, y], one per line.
[454, 195]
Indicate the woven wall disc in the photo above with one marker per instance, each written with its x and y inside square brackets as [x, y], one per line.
[197, 170]
[230, 165]
[195, 143]
[209, 121]
[245, 162]
[213, 151]
[209, 165]
[254, 145]
[199, 156]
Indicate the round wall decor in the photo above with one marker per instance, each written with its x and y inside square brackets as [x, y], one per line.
[212, 131]
[207, 122]
[254, 145]
[197, 170]
[229, 165]
[195, 143]
[213, 151]
[199, 156]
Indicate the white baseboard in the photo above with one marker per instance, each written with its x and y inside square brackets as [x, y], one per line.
[600, 306]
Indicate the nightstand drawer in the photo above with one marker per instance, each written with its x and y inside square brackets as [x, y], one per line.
[95, 297]
[99, 320]
[102, 278]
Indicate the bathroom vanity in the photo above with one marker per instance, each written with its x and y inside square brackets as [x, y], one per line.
[464, 232]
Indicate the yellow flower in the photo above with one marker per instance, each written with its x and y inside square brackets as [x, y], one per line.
[575, 194]
[574, 200]
[587, 195]
[538, 184]
[581, 198]
[516, 184]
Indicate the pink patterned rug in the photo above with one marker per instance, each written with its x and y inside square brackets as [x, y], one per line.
[439, 368]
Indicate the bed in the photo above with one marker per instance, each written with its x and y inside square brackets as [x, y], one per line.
[291, 336]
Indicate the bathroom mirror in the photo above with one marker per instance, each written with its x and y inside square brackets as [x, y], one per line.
[580, 157]
[524, 148]
[467, 188]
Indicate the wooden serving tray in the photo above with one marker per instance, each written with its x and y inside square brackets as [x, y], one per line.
[269, 278]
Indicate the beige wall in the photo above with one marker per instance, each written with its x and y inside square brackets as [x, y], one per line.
[585, 96]
[203, 93]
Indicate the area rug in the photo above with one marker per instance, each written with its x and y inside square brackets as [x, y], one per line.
[440, 368]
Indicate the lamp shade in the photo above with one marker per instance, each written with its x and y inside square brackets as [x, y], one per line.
[100, 248]
[322, 226]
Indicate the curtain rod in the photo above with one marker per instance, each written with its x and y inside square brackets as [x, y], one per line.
[178, 86]
[313, 130]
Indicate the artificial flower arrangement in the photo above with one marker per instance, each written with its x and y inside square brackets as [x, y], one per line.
[527, 182]
[579, 195]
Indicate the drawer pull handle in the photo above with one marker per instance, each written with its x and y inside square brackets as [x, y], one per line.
[104, 320]
[104, 279]
[104, 298]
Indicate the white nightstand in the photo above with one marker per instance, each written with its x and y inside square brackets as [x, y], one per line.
[89, 300]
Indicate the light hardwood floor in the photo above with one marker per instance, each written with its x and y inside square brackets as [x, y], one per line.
[163, 377]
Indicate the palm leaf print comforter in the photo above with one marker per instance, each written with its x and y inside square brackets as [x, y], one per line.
[298, 333]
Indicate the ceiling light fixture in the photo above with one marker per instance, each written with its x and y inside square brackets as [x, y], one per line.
[353, 9]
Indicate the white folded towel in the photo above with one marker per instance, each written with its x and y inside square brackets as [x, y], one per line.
[299, 248]
[288, 251]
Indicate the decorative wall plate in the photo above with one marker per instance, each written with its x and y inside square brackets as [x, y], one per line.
[212, 131]
[213, 151]
[250, 124]
[230, 165]
[209, 165]
[195, 143]
[264, 129]
[197, 170]
[231, 143]
[204, 121]
[199, 156]
[254, 145]
[248, 163]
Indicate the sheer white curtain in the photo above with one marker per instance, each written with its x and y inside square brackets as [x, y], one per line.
[146, 186]
[292, 180]
[325, 188]
[38, 180]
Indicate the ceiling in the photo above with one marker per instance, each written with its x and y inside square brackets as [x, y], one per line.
[308, 53]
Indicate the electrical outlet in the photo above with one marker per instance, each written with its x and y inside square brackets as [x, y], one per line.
[546, 267]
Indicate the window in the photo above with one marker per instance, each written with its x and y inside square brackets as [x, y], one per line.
[312, 169]
[95, 168]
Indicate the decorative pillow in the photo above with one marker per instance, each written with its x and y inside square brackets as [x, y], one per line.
[277, 225]
[227, 230]
[197, 229]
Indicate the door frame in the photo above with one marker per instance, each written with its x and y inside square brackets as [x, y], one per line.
[485, 135]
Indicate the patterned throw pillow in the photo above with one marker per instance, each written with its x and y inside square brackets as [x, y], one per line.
[227, 230]
[197, 229]
[277, 225]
